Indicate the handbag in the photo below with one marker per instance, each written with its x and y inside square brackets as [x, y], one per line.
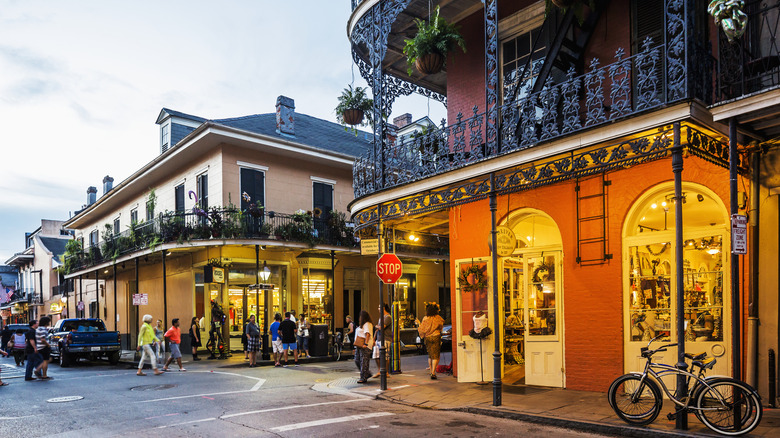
[360, 342]
[10, 344]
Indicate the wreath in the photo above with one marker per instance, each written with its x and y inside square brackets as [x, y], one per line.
[480, 280]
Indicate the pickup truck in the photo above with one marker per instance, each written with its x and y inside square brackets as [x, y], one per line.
[71, 339]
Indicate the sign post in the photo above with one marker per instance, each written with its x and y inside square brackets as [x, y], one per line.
[739, 224]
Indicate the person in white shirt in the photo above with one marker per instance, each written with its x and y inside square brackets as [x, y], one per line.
[365, 331]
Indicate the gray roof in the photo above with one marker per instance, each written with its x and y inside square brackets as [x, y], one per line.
[8, 275]
[175, 113]
[55, 245]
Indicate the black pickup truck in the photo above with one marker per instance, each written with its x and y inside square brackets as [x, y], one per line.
[71, 339]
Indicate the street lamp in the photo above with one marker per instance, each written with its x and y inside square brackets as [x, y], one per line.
[265, 273]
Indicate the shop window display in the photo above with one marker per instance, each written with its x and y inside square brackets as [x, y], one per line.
[703, 263]
[650, 283]
[317, 287]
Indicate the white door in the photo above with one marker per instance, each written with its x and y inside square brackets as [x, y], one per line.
[543, 319]
[475, 357]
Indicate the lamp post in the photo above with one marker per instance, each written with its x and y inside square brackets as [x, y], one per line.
[265, 274]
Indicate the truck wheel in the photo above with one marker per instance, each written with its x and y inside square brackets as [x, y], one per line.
[65, 359]
[113, 358]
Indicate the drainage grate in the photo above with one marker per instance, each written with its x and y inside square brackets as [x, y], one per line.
[152, 387]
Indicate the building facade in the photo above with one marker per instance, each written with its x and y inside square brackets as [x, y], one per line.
[582, 140]
[228, 208]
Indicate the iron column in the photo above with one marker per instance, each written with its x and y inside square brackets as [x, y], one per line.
[681, 420]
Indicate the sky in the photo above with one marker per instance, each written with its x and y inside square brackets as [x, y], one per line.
[82, 83]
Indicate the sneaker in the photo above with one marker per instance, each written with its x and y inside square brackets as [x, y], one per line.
[433, 377]
[196, 359]
[182, 369]
[284, 366]
[165, 369]
[30, 379]
[296, 364]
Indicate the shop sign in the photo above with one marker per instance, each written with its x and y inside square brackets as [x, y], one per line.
[506, 242]
[16, 309]
[739, 234]
[389, 268]
[55, 308]
[213, 274]
[369, 247]
[139, 299]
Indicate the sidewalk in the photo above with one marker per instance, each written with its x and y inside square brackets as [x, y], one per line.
[588, 411]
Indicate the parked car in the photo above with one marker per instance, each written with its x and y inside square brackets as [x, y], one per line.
[446, 337]
[72, 339]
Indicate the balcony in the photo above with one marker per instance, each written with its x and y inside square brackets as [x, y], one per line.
[62, 289]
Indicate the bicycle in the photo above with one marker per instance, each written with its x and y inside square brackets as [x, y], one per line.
[337, 346]
[725, 405]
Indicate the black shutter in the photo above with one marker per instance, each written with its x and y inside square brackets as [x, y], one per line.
[323, 198]
[647, 20]
[203, 191]
[253, 184]
[179, 194]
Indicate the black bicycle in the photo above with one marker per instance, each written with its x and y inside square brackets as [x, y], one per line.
[338, 345]
[727, 406]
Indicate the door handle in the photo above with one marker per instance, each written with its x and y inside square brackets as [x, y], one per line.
[462, 344]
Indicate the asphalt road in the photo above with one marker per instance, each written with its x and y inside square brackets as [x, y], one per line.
[211, 399]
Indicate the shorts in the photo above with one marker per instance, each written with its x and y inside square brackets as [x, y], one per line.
[277, 345]
[45, 353]
[175, 351]
[289, 346]
[376, 350]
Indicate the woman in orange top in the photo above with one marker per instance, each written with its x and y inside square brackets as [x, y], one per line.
[430, 330]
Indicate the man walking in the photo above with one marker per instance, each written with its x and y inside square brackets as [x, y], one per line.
[276, 340]
[387, 336]
[44, 349]
[31, 349]
[174, 338]
[287, 332]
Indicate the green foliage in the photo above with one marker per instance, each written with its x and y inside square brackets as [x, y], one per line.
[433, 36]
[357, 99]
[151, 200]
[73, 256]
[110, 245]
[340, 234]
[299, 229]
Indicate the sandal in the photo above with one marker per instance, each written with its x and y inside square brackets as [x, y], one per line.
[140, 374]
[3, 384]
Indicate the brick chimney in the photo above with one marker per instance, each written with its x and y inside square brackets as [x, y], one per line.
[285, 115]
[91, 195]
[108, 184]
[402, 120]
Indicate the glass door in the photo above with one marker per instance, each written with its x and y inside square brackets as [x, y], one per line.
[543, 340]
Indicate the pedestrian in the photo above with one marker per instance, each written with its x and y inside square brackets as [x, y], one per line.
[31, 350]
[195, 337]
[44, 349]
[146, 339]
[252, 340]
[387, 336]
[430, 330]
[292, 316]
[5, 337]
[276, 340]
[303, 337]
[5, 354]
[287, 332]
[159, 333]
[349, 336]
[364, 341]
[18, 349]
[174, 337]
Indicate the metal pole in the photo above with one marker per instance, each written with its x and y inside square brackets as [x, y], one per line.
[115, 311]
[165, 291]
[97, 294]
[494, 264]
[681, 419]
[135, 308]
[381, 337]
[735, 292]
[81, 298]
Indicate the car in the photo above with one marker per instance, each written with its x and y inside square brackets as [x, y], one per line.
[446, 337]
[71, 339]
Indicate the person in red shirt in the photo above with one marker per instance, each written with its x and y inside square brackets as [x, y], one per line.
[173, 335]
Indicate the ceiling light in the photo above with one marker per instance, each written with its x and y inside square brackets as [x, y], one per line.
[713, 251]
[265, 273]
[663, 204]
[653, 205]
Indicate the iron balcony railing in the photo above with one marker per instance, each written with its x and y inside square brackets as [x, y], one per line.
[62, 289]
[752, 62]
[26, 294]
[604, 94]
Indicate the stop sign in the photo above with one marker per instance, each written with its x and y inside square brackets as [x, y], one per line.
[389, 268]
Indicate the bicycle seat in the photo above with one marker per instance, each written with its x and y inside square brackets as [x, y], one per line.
[698, 356]
[706, 363]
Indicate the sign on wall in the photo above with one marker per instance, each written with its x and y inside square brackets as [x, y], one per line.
[506, 241]
[739, 224]
[213, 274]
[140, 299]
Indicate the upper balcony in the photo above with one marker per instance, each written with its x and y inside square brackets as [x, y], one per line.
[570, 87]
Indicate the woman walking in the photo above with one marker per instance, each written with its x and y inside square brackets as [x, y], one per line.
[364, 341]
[430, 330]
[194, 337]
[159, 333]
[18, 349]
[303, 337]
[146, 339]
[252, 340]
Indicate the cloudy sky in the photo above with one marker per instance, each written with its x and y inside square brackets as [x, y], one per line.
[82, 82]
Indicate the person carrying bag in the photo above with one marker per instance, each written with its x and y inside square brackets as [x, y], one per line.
[364, 342]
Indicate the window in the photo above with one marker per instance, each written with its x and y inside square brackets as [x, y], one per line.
[165, 135]
[93, 238]
[116, 226]
[149, 211]
[134, 216]
[323, 197]
[203, 191]
[179, 198]
[253, 185]
[521, 58]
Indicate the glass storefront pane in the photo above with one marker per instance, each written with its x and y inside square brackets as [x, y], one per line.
[703, 268]
[406, 295]
[541, 296]
[513, 290]
[472, 301]
[317, 296]
[649, 274]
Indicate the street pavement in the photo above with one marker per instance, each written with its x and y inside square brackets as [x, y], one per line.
[226, 398]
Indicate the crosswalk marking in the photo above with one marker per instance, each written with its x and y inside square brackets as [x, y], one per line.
[329, 421]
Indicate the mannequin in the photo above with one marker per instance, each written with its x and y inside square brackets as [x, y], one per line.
[480, 321]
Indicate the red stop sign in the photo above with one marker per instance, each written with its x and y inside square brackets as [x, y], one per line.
[389, 268]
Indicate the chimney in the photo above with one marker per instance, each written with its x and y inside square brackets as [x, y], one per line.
[108, 184]
[402, 120]
[285, 115]
[91, 195]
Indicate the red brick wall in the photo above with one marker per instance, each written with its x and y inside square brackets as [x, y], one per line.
[593, 295]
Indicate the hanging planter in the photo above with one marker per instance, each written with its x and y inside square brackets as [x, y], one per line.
[729, 15]
[354, 108]
[435, 39]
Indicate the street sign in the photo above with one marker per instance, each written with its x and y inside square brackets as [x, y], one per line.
[369, 247]
[140, 299]
[80, 306]
[739, 234]
[389, 268]
[261, 286]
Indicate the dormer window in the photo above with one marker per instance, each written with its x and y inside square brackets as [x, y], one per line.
[165, 137]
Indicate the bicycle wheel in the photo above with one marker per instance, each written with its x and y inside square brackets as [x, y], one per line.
[725, 400]
[634, 401]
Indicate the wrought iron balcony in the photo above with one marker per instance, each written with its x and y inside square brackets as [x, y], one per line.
[752, 63]
[604, 94]
[62, 289]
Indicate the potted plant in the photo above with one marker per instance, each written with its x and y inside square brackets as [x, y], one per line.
[428, 50]
[354, 107]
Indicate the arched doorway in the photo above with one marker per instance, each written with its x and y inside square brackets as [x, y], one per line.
[649, 298]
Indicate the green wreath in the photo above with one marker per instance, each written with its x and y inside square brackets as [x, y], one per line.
[463, 279]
